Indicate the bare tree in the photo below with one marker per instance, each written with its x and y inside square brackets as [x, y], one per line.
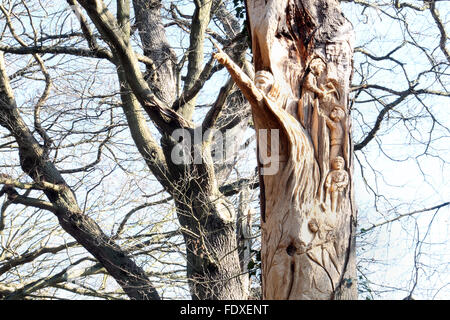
[399, 87]
[95, 98]
[207, 220]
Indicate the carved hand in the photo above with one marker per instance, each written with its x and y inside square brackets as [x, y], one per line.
[221, 57]
[274, 92]
[320, 112]
[320, 93]
[341, 185]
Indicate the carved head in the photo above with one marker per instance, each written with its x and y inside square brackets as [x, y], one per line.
[337, 163]
[264, 80]
[317, 66]
[337, 114]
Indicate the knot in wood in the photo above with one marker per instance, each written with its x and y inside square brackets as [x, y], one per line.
[291, 249]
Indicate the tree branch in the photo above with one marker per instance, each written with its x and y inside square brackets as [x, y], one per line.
[63, 276]
[31, 256]
[236, 186]
[164, 118]
[213, 113]
[400, 216]
[41, 185]
[200, 21]
[84, 229]
[440, 25]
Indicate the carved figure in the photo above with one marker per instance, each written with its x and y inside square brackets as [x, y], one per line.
[309, 102]
[263, 90]
[312, 90]
[299, 261]
[312, 82]
[332, 95]
[320, 93]
[318, 83]
[252, 92]
[336, 131]
[336, 181]
[263, 85]
[265, 82]
[305, 251]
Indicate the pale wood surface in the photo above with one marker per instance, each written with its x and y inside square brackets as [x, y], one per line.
[302, 52]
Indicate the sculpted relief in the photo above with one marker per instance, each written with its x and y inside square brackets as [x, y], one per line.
[322, 111]
[336, 181]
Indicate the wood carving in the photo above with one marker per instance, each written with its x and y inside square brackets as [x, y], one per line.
[336, 131]
[336, 181]
[302, 52]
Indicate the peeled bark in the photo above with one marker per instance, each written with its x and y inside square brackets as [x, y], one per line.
[304, 48]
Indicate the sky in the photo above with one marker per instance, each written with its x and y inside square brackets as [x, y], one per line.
[405, 172]
[397, 173]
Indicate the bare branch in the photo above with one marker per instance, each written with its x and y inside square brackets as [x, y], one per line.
[400, 216]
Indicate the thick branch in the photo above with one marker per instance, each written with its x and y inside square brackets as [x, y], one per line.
[165, 119]
[440, 25]
[211, 117]
[200, 21]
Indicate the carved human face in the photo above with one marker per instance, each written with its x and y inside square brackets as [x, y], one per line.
[337, 114]
[338, 163]
[318, 67]
[263, 81]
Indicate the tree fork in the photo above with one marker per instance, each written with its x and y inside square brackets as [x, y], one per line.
[302, 52]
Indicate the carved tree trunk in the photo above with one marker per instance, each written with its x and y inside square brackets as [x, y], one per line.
[304, 48]
[307, 244]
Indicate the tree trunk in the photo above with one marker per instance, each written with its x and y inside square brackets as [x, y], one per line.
[304, 48]
[208, 222]
[208, 225]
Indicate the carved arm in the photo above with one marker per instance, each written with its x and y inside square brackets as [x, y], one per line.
[330, 123]
[247, 86]
[328, 181]
[344, 183]
[310, 85]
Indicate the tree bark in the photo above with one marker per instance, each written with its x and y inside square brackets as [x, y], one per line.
[208, 225]
[308, 213]
[162, 76]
